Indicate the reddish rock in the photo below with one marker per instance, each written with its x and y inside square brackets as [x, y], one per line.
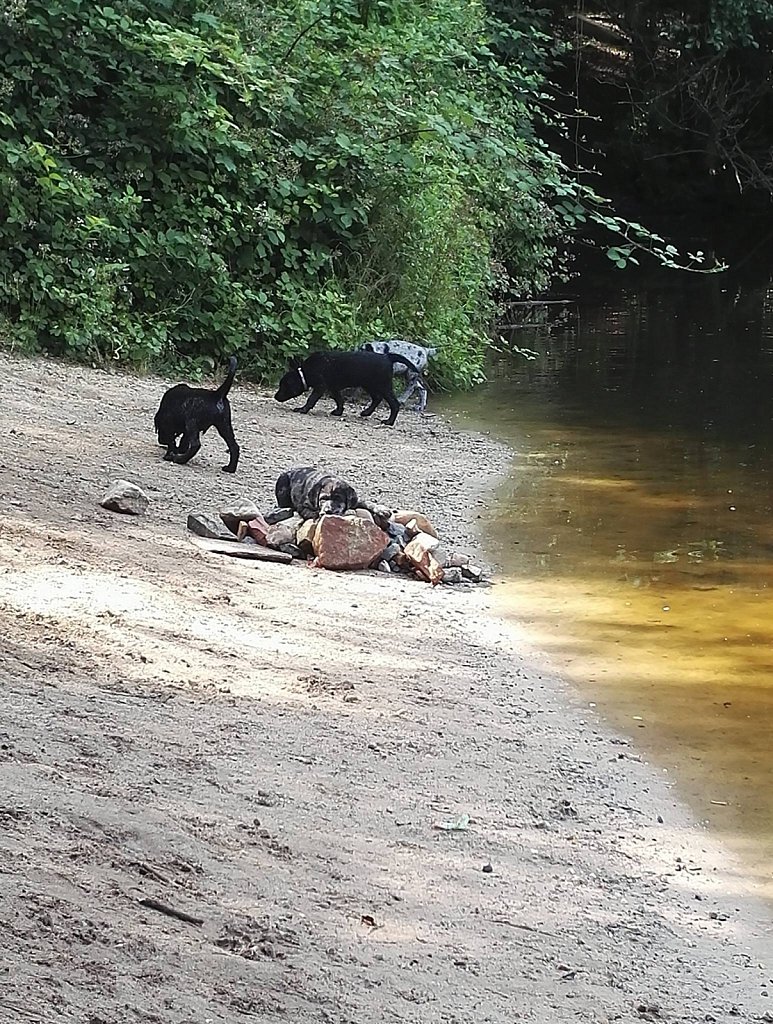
[421, 542]
[257, 528]
[348, 542]
[434, 572]
[240, 512]
[416, 522]
[421, 553]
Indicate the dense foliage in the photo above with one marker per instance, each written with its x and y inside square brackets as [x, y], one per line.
[184, 179]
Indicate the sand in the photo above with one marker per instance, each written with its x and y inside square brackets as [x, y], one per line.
[271, 750]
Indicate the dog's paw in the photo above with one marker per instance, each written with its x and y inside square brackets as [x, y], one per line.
[228, 469]
[301, 409]
[337, 412]
[388, 423]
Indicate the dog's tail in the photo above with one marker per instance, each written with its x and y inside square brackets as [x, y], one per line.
[225, 387]
[394, 358]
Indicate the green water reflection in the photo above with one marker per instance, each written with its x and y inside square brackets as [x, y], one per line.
[636, 530]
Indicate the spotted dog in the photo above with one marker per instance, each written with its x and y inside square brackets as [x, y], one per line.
[312, 492]
[417, 354]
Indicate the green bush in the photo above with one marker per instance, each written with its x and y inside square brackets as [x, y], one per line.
[180, 182]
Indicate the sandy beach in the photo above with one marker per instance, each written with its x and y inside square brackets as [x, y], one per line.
[274, 751]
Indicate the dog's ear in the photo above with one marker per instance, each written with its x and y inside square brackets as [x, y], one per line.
[293, 363]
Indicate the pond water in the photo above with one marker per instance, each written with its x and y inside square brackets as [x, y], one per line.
[635, 532]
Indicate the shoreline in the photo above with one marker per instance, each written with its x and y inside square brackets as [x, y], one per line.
[271, 749]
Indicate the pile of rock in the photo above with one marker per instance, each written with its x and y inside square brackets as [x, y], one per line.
[365, 538]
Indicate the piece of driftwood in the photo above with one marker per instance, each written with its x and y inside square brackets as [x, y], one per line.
[540, 302]
[237, 549]
[164, 908]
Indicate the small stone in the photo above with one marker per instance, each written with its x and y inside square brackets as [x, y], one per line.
[384, 566]
[278, 515]
[420, 553]
[266, 799]
[347, 542]
[487, 869]
[452, 574]
[283, 532]
[361, 513]
[457, 559]
[472, 572]
[401, 562]
[304, 536]
[205, 525]
[382, 516]
[391, 551]
[398, 533]
[416, 522]
[257, 528]
[292, 550]
[439, 553]
[422, 542]
[242, 511]
[126, 497]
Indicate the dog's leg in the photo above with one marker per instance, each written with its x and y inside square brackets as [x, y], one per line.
[339, 401]
[282, 491]
[375, 400]
[312, 400]
[394, 408]
[413, 383]
[173, 448]
[189, 446]
[225, 430]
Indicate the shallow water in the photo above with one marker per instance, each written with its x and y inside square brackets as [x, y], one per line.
[635, 531]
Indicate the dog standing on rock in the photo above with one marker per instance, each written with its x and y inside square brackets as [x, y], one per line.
[187, 413]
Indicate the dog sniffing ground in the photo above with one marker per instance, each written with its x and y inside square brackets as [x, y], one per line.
[376, 799]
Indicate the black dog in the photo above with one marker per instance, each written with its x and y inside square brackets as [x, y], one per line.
[312, 492]
[332, 372]
[188, 412]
